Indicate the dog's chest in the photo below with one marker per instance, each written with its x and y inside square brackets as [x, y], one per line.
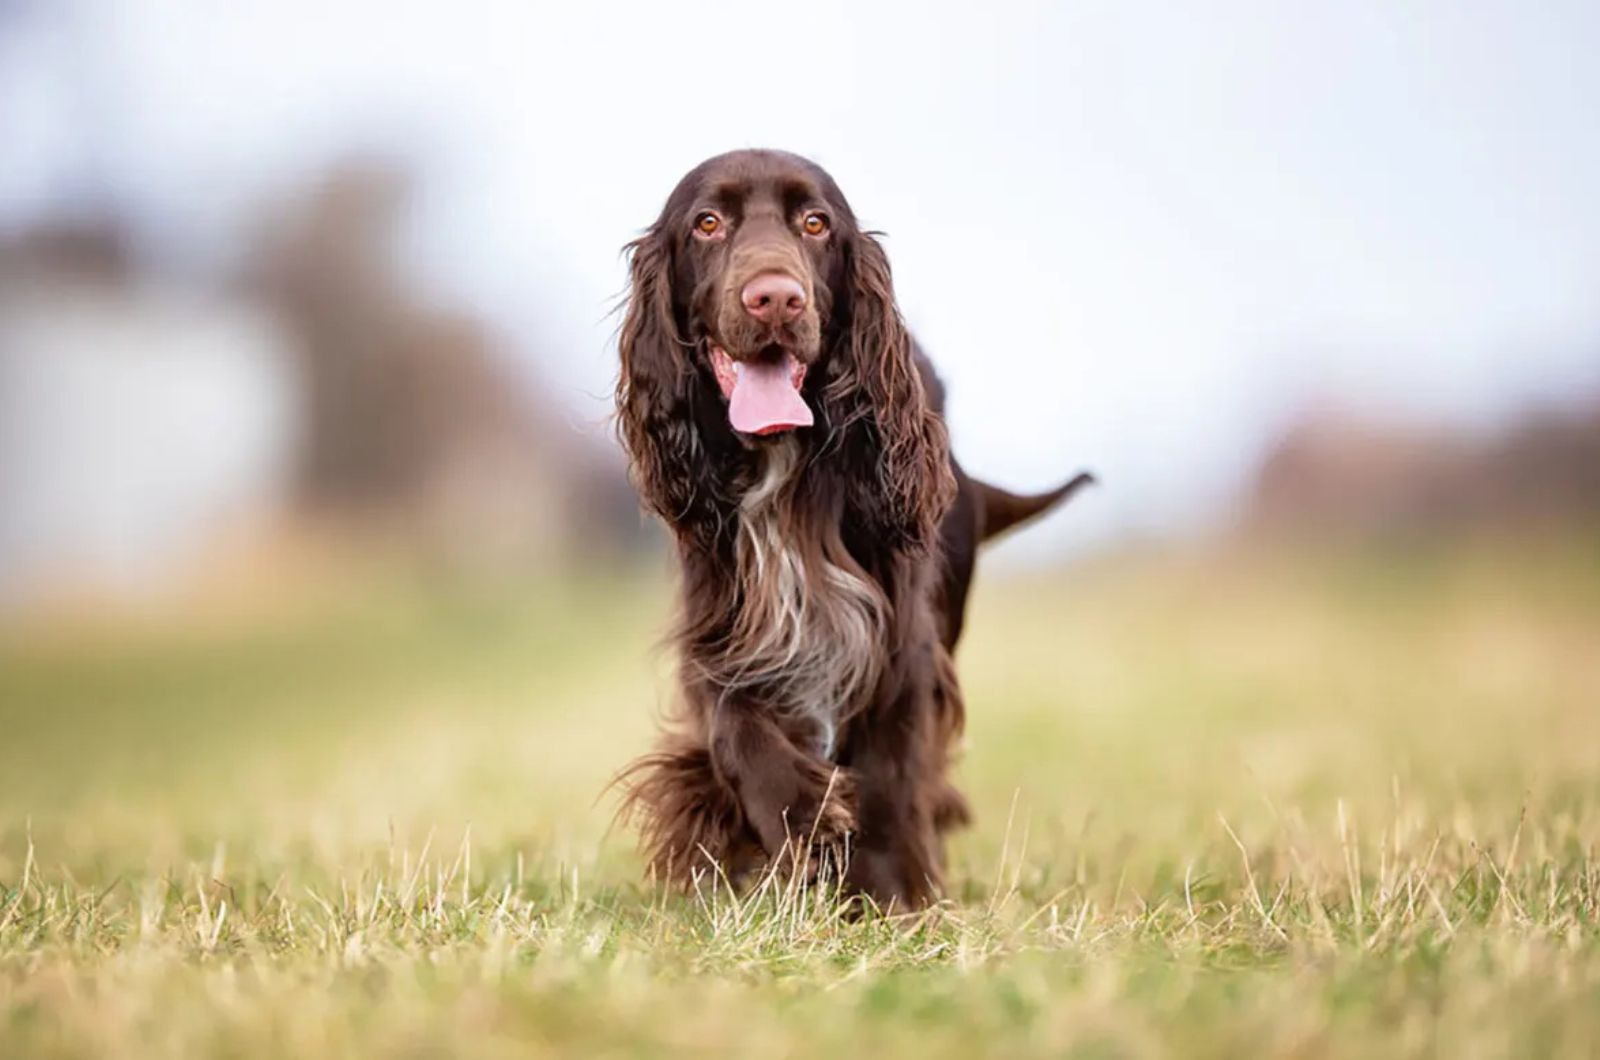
[812, 628]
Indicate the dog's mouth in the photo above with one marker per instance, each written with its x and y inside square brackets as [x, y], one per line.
[763, 393]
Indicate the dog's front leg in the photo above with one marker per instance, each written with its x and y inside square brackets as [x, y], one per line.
[797, 804]
[896, 759]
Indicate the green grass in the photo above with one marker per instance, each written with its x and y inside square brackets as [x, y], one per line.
[1334, 805]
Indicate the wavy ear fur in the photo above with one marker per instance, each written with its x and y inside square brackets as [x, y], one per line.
[655, 419]
[876, 384]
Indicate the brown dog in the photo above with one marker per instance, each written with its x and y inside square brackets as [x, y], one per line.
[782, 423]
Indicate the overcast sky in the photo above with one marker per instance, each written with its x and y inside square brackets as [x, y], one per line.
[1133, 236]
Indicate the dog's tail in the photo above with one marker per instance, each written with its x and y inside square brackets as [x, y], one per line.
[999, 510]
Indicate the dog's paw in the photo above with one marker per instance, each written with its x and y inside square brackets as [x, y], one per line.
[819, 835]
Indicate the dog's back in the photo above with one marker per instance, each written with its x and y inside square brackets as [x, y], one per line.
[980, 512]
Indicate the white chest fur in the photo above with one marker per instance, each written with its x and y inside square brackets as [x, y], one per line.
[813, 635]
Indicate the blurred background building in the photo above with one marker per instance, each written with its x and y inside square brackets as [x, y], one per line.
[346, 272]
[148, 426]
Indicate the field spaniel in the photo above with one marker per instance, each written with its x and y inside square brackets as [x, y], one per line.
[782, 423]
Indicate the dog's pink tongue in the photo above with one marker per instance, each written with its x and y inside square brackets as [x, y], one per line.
[765, 401]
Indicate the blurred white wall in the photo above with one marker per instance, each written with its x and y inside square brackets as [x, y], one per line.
[134, 428]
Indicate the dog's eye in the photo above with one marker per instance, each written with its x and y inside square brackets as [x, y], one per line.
[708, 224]
[815, 223]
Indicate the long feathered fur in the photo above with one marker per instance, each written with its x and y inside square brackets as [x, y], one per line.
[814, 692]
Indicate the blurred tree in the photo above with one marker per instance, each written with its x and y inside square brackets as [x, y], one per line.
[1341, 475]
[410, 413]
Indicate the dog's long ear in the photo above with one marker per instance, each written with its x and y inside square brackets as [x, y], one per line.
[906, 439]
[655, 418]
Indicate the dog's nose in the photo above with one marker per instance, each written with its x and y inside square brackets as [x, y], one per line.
[774, 298]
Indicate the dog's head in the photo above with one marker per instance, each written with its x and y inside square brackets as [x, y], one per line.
[745, 269]
[758, 306]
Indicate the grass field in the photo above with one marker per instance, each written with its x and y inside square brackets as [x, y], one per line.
[1343, 805]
